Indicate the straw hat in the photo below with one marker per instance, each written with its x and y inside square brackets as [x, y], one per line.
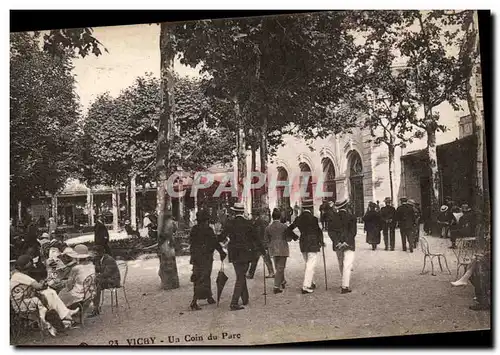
[444, 208]
[307, 203]
[80, 251]
[238, 207]
[341, 204]
[45, 236]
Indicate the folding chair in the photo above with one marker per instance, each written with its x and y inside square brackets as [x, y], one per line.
[424, 245]
[123, 268]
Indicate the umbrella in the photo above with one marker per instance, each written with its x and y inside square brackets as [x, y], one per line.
[221, 281]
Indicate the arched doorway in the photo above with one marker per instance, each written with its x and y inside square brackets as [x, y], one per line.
[329, 178]
[356, 180]
[282, 199]
[305, 170]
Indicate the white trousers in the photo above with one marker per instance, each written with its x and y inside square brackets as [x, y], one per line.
[55, 303]
[310, 259]
[346, 261]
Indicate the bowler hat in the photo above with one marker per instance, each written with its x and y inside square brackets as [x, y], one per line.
[307, 203]
[341, 204]
[238, 207]
[387, 199]
[403, 199]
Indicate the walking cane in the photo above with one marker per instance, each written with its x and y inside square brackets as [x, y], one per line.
[264, 278]
[324, 265]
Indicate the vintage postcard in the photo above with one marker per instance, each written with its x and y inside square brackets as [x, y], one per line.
[249, 180]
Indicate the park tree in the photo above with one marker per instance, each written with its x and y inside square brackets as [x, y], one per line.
[290, 79]
[44, 111]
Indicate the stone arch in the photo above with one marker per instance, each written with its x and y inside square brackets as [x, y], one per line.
[329, 176]
[282, 195]
[355, 174]
[326, 152]
[305, 170]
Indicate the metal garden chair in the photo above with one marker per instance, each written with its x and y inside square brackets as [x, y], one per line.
[89, 291]
[465, 252]
[123, 268]
[25, 310]
[424, 245]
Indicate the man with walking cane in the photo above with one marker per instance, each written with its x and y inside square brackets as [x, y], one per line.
[342, 233]
[311, 239]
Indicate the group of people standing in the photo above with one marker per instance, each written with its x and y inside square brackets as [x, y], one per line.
[248, 240]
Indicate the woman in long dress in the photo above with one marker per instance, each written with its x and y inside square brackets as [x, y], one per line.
[203, 243]
[373, 225]
[74, 290]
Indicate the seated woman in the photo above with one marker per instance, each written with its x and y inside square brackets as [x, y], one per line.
[107, 275]
[130, 231]
[51, 300]
[37, 270]
[74, 292]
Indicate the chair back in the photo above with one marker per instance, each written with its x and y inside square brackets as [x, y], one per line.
[424, 245]
[22, 298]
[123, 268]
[89, 287]
[467, 248]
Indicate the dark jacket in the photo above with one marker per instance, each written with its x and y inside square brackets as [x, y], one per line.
[388, 213]
[101, 235]
[445, 217]
[108, 274]
[203, 243]
[467, 225]
[243, 241]
[405, 216]
[346, 231]
[311, 236]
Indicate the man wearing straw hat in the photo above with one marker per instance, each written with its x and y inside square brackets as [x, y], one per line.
[311, 241]
[466, 226]
[242, 248]
[344, 244]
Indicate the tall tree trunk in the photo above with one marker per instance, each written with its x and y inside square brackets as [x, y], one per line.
[478, 127]
[133, 213]
[264, 196]
[254, 193]
[54, 208]
[114, 204]
[20, 212]
[89, 206]
[434, 174]
[165, 128]
[241, 152]
[391, 170]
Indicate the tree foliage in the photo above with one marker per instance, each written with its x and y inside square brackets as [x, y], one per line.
[44, 111]
[121, 133]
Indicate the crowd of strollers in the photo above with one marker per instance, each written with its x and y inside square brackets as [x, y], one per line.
[55, 283]
[249, 239]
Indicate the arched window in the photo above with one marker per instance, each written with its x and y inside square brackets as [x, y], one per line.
[329, 178]
[356, 180]
[306, 175]
[283, 198]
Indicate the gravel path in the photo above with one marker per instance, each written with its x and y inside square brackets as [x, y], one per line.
[389, 297]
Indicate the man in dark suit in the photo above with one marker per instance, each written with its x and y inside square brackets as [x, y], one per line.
[405, 217]
[107, 275]
[311, 241]
[101, 235]
[388, 213]
[242, 247]
[342, 232]
[259, 225]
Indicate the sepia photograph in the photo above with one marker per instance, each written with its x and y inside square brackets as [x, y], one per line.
[250, 180]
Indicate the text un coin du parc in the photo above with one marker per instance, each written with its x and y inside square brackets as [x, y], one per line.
[173, 339]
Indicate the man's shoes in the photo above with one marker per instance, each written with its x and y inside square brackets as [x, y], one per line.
[404, 249]
[306, 290]
[386, 248]
[313, 286]
[411, 250]
[270, 276]
[283, 284]
[245, 302]
[392, 249]
[211, 300]
[479, 307]
[345, 290]
[277, 290]
[236, 307]
[249, 277]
